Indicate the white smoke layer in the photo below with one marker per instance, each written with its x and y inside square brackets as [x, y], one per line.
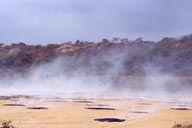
[51, 80]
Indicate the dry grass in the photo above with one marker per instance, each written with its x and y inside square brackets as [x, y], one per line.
[180, 126]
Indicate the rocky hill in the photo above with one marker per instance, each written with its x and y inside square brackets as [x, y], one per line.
[108, 57]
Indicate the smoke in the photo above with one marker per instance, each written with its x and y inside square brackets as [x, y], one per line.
[55, 79]
[50, 79]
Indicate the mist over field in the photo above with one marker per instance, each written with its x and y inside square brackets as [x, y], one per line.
[45, 63]
[103, 74]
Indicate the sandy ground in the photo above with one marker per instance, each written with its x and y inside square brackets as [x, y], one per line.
[72, 113]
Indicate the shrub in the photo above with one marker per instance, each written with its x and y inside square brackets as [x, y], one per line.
[177, 126]
[6, 124]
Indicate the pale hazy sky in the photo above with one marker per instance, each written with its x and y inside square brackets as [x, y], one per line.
[56, 21]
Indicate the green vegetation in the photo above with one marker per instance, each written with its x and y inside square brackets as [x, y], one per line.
[170, 55]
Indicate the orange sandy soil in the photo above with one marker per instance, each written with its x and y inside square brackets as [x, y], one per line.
[70, 114]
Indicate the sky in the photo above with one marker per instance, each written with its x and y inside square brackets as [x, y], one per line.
[58, 21]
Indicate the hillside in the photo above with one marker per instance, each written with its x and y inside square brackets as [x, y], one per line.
[108, 57]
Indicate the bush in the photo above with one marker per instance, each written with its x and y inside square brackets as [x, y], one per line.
[6, 124]
[177, 126]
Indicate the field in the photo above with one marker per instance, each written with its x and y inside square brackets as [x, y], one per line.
[58, 112]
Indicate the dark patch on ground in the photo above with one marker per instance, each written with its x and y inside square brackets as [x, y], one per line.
[13, 105]
[109, 120]
[37, 108]
[139, 112]
[144, 103]
[100, 105]
[83, 101]
[100, 108]
[180, 108]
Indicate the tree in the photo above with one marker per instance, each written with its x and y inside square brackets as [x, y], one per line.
[105, 41]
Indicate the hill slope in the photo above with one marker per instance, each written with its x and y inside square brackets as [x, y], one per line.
[115, 57]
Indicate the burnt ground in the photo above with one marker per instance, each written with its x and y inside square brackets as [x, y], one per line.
[37, 108]
[100, 108]
[109, 120]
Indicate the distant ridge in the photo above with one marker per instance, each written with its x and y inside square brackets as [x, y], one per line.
[170, 55]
